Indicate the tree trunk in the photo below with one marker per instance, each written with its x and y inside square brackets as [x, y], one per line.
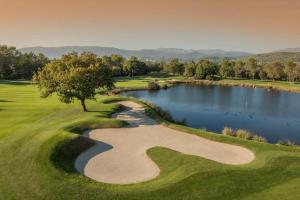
[83, 105]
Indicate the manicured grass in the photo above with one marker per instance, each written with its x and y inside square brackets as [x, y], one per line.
[38, 144]
[139, 82]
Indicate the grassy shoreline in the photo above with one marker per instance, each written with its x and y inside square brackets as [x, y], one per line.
[270, 85]
[141, 83]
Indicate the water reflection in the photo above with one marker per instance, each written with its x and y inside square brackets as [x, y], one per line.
[274, 114]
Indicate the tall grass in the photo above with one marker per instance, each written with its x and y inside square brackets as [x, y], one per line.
[243, 134]
[228, 131]
[286, 143]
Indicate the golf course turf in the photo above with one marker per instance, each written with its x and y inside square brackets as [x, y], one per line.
[39, 141]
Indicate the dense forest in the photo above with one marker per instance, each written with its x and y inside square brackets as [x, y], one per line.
[17, 65]
[249, 69]
[275, 57]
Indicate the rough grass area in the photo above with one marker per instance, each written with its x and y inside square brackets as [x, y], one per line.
[39, 141]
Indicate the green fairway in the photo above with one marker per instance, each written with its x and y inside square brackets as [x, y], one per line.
[139, 82]
[36, 158]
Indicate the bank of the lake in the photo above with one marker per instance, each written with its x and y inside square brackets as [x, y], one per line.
[271, 113]
[141, 82]
[270, 85]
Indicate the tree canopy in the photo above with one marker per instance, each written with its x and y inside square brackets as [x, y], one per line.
[15, 65]
[74, 76]
[133, 66]
[174, 67]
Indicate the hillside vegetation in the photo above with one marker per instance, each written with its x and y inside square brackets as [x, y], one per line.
[276, 57]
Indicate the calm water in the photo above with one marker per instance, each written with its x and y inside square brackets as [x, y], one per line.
[273, 114]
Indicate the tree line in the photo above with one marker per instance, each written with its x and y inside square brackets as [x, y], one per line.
[16, 65]
[79, 76]
[249, 69]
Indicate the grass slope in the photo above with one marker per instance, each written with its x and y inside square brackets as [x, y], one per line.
[33, 167]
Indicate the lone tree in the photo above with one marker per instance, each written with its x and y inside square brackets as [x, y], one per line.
[74, 76]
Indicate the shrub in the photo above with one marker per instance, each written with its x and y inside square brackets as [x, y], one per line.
[286, 143]
[244, 134]
[165, 86]
[228, 131]
[259, 138]
[210, 77]
[153, 86]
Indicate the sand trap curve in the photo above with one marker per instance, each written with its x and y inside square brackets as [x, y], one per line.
[119, 156]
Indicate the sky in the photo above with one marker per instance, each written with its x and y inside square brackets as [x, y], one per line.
[239, 25]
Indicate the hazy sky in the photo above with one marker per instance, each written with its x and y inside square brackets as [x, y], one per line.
[244, 25]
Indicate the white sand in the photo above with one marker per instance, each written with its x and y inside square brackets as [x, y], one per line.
[119, 157]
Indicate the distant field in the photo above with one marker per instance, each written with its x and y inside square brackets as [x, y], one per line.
[142, 81]
[33, 167]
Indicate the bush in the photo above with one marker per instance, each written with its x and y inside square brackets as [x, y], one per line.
[165, 86]
[259, 138]
[210, 77]
[286, 143]
[228, 131]
[153, 86]
[244, 134]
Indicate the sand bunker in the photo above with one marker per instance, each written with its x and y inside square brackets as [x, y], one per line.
[119, 157]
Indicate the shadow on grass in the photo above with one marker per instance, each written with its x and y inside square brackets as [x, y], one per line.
[15, 82]
[5, 101]
[82, 126]
[68, 150]
[99, 148]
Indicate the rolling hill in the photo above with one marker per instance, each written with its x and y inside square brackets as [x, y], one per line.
[276, 56]
[153, 54]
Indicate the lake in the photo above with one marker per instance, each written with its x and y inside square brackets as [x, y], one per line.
[272, 114]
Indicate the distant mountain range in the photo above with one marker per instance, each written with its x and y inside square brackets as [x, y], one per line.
[291, 50]
[153, 54]
[168, 53]
[281, 56]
